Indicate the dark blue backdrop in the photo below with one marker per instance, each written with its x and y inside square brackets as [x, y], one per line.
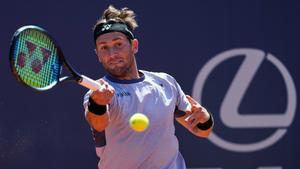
[186, 39]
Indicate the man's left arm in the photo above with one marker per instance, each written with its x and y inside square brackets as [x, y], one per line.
[197, 120]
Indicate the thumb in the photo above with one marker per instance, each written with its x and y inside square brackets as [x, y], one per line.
[191, 100]
[189, 109]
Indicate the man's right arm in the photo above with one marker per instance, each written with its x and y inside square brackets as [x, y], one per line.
[97, 107]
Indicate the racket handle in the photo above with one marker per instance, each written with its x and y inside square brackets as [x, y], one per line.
[90, 83]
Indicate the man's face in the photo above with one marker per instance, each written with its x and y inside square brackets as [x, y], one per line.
[116, 53]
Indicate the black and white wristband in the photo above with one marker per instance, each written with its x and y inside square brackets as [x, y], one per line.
[95, 108]
[206, 125]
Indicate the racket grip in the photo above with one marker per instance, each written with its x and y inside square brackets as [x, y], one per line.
[90, 83]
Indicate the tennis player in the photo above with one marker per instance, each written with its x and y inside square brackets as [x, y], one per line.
[129, 90]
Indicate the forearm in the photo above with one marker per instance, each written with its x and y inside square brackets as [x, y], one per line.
[201, 129]
[202, 133]
[97, 122]
[97, 115]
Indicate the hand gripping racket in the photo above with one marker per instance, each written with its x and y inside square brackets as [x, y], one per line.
[37, 61]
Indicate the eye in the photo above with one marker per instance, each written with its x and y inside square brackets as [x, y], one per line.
[103, 47]
[119, 44]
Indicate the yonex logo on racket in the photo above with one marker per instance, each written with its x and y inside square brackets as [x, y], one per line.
[36, 63]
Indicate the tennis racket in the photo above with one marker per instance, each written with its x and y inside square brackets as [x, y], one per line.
[36, 60]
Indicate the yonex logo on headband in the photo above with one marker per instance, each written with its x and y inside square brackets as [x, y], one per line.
[106, 27]
[112, 27]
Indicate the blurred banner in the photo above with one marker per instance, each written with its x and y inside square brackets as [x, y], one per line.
[239, 59]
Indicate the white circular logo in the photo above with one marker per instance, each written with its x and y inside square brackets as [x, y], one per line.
[229, 114]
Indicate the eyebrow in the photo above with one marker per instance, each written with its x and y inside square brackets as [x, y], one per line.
[115, 39]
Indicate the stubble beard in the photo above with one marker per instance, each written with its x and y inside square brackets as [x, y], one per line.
[121, 72]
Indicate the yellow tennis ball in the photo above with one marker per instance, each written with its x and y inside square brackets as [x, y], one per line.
[139, 122]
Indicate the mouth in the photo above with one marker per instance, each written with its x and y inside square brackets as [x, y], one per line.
[116, 62]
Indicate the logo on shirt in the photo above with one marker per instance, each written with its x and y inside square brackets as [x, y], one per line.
[123, 94]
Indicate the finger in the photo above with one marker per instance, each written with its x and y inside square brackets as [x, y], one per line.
[204, 116]
[192, 120]
[109, 87]
[188, 112]
[194, 123]
[101, 81]
[189, 119]
[105, 82]
[105, 85]
[191, 100]
[188, 109]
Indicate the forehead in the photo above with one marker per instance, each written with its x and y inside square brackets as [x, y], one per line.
[111, 36]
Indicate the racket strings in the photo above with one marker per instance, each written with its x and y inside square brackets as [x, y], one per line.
[36, 60]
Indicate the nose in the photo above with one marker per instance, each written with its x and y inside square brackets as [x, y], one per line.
[112, 52]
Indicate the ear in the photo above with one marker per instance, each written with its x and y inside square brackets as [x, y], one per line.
[135, 45]
[98, 56]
